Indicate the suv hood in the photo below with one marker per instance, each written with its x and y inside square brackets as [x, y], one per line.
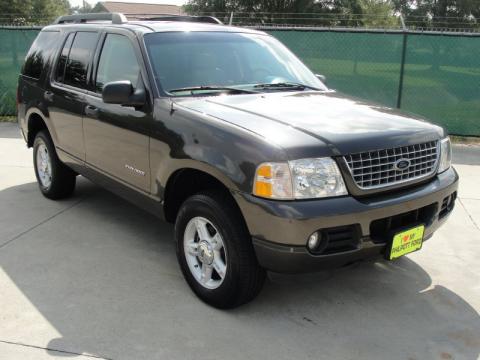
[343, 124]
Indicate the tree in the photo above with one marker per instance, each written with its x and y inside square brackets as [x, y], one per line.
[85, 9]
[248, 6]
[305, 12]
[209, 6]
[440, 13]
[25, 12]
[50, 9]
[370, 13]
[378, 14]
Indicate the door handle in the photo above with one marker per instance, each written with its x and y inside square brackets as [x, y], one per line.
[48, 96]
[91, 111]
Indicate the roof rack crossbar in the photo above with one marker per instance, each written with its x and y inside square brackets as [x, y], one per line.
[187, 18]
[115, 18]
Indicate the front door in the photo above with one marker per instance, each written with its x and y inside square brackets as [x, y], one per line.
[116, 137]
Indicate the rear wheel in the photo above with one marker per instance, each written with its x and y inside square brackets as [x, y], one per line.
[55, 179]
[215, 251]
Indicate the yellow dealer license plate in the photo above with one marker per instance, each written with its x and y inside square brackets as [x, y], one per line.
[406, 242]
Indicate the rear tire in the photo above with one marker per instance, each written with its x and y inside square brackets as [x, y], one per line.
[215, 251]
[55, 180]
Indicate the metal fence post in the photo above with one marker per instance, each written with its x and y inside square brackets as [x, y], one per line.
[402, 64]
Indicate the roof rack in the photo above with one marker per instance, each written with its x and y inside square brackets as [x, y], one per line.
[118, 18]
[186, 18]
[115, 18]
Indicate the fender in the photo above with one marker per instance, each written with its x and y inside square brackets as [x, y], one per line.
[185, 138]
[28, 118]
[161, 179]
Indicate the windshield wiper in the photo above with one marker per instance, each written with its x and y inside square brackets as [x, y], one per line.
[211, 88]
[284, 85]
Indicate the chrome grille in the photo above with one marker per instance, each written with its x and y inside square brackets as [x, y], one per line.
[378, 168]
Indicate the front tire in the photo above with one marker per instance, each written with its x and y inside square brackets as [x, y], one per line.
[55, 179]
[215, 251]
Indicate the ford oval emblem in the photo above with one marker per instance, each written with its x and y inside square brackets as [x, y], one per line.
[401, 164]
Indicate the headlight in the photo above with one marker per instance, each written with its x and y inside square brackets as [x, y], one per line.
[445, 155]
[299, 179]
[314, 178]
[273, 181]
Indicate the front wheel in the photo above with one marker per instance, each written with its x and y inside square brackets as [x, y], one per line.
[215, 251]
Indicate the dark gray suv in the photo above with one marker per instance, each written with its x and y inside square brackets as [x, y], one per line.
[224, 132]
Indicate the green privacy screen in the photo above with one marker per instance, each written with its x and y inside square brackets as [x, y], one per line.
[442, 81]
[14, 44]
[441, 77]
[361, 64]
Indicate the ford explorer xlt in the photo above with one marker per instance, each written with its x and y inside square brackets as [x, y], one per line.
[225, 133]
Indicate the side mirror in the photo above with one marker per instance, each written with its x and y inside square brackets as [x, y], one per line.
[322, 78]
[121, 92]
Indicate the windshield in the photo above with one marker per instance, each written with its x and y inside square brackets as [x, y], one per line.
[202, 60]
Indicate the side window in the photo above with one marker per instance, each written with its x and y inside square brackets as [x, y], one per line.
[81, 52]
[117, 62]
[39, 53]
[62, 60]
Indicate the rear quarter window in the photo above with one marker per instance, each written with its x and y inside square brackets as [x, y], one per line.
[62, 60]
[39, 54]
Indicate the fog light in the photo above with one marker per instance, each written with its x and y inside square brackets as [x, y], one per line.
[313, 241]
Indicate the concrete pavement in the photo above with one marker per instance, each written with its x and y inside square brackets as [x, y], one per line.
[93, 276]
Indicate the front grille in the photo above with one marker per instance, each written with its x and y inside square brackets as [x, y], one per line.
[382, 168]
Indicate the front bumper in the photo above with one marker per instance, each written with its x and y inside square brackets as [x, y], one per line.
[280, 229]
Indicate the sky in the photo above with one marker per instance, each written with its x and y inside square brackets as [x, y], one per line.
[93, 2]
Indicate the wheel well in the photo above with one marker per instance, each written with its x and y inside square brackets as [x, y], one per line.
[35, 124]
[187, 182]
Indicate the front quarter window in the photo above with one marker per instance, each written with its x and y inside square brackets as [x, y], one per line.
[182, 60]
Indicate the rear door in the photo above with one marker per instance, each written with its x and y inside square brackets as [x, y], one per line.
[66, 93]
[117, 137]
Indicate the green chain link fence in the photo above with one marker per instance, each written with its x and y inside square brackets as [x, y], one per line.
[440, 72]
[14, 44]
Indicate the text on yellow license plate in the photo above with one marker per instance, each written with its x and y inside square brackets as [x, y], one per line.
[406, 242]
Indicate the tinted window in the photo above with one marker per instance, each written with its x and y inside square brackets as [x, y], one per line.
[190, 58]
[39, 53]
[117, 47]
[62, 61]
[80, 54]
